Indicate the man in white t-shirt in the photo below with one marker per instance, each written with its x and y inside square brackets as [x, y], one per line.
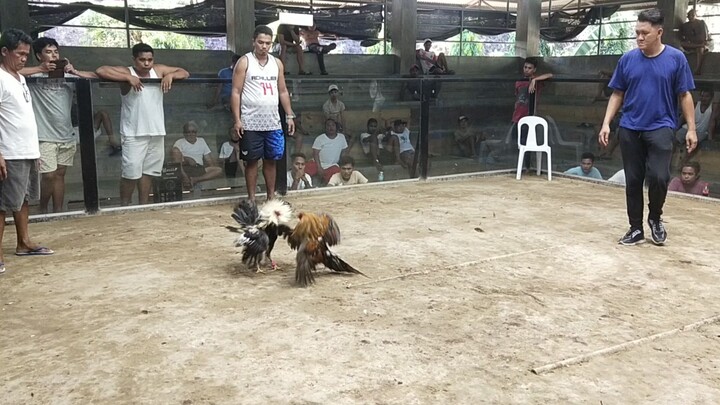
[195, 157]
[327, 150]
[19, 150]
[52, 101]
[142, 119]
[297, 179]
[400, 144]
[348, 175]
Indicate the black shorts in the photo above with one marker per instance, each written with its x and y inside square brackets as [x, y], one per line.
[256, 145]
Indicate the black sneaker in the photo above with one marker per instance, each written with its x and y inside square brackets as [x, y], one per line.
[632, 237]
[657, 231]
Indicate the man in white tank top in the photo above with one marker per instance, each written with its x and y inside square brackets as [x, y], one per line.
[258, 84]
[706, 115]
[142, 119]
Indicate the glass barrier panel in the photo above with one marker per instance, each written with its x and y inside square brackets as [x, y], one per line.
[60, 167]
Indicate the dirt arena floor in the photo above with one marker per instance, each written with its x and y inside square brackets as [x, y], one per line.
[502, 276]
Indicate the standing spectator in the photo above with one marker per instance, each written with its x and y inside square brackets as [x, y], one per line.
[526, 92]
[258, 86]
[705, 121]
[19, 149]
[695, 38]
[689, 181]
[297, 179]
[223, 90]
[288, 37]
[230, 155]
[348, 175]
[430, 63]
[52, 103]
[142, 119]
[327, 150]
[312, 40]
[193, 153]
[647, 83]
[586, 168]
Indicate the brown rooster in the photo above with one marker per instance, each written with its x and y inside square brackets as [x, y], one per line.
[312, 237]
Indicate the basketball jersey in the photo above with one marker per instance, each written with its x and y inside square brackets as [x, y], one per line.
[260, 95]
[142, 112]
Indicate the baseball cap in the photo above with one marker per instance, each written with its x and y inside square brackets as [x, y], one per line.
[463, 118]
[427, 40]
[333, 87]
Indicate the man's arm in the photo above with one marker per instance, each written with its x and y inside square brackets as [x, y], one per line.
[688, 110]
[115, 73]
[616, 100]
[168, 74]
[238, 82]
[285, 98]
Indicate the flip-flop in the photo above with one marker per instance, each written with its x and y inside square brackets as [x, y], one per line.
[38, 251]
[2, 267]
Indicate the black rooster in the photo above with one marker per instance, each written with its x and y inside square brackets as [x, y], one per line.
[259, 229]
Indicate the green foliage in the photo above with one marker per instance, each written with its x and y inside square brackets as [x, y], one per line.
[469, 45]
[377, 49]
[545, 49]
[618, 46]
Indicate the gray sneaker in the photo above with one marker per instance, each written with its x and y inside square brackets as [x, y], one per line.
[657, 231]
[632, 237]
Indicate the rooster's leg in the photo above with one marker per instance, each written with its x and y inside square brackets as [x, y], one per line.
[258, 269]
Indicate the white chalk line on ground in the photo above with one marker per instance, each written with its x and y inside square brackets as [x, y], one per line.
[454, 266]
[624, 346]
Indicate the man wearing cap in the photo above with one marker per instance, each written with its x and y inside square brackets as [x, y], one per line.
[431, 64]
[465, 138]
[333, 107]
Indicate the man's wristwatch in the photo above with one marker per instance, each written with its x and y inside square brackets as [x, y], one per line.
[289, 116]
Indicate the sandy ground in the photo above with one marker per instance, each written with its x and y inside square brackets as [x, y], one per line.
[154, 307]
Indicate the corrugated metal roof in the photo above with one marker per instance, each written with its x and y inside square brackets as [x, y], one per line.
[497, 5]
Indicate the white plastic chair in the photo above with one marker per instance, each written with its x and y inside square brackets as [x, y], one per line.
[531, 144]
[556, 137]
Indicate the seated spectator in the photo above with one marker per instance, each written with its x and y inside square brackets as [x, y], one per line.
[348, 175]
[689, 181]
[334, 108]
[288, 37]
[695, 39]
[586, 169]
[193, 153]
[327, 150]
[399, 144]
[230, 155]
[618, 177]
[297, 179]
[312, 40]
[705, 120]
[101, 119]
[414, 88]
[467, 139]
[431, 64]
[370, 140]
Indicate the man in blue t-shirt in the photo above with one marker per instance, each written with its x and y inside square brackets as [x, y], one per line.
[648, 83]
[586, 168]
[222, 93]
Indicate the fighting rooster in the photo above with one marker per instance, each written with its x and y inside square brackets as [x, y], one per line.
[312, 237]
[259, 229]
